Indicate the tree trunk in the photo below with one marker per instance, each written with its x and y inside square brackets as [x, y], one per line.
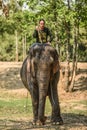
[16, 37]
[55, 18]
[67, 72]
[24, 46]
[57, 43]
[74, 62]
[75, 53]
[67, 68]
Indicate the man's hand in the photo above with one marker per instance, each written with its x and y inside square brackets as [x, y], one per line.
[49, 43]
[37, 28]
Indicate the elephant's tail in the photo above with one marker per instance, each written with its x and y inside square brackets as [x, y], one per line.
[52, 96]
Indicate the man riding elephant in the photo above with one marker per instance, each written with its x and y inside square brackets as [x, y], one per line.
[40, 75]
[42, 33]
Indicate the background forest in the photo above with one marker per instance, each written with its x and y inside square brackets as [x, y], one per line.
[67, 19]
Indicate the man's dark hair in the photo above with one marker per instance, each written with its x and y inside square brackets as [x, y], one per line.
[41, 20]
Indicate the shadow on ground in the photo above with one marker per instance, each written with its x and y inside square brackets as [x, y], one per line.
[10, 78]
[71, 121]
[81, 82]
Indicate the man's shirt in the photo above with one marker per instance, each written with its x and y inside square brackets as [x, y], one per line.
[43, 36]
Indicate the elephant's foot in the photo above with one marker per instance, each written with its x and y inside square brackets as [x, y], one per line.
[42, 121]
[35, 121]
[57, 120]
[39, 122]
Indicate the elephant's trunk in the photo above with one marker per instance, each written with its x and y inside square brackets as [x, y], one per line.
[43, 77]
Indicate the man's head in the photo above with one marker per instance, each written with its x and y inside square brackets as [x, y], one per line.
[42, 24]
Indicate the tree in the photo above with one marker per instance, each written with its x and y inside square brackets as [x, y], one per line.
[77, 21]
[24, 15]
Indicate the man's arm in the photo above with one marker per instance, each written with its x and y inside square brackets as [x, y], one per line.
[35, 34]
[50, 35]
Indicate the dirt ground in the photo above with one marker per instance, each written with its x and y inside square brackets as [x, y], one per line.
[10, 82]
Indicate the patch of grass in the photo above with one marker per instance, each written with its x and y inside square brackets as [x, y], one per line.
[48, 107]
[75, 107]
[15, 107]
[84, 102]
[81, 107]
[19, 107]
[79, 112]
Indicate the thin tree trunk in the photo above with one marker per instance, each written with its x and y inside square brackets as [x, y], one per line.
[67, 68]
[77, 43]
[54, 6]
[75, 59]
[24, 46]
[73, 78]
[67, 71]
[16, 37]
[57, 42]
[75, 53]
[74, 64]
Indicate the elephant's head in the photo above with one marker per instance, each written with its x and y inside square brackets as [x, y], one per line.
[44, 62]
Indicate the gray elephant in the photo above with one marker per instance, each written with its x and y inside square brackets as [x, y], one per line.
[40, 75]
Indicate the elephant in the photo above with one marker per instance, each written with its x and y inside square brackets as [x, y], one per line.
[40, 74]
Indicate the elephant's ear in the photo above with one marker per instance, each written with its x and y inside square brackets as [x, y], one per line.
[56, 67]
[30, 67]
[33, 67]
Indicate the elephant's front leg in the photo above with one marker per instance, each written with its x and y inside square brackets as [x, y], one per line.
[42, 100]
[35, 102]
[53, 95]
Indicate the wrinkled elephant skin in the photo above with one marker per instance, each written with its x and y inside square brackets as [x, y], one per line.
[40, 75]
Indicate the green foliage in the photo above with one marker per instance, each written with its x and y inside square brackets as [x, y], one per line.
[83, 52]
[57, 16]
[7, 48]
